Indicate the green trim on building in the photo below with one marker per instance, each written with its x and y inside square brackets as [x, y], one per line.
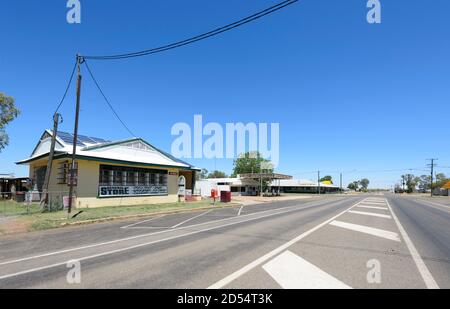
[103, 160]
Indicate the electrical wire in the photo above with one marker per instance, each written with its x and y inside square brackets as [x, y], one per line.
[364, 171]
[197, 38]
[106, 99]
[67, 88]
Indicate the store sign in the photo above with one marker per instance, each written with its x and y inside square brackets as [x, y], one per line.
[181, 186]
[108, 191]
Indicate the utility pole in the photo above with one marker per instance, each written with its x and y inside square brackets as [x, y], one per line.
[75, 135]
[432, 165]
[44, 198]
[318, 182]
[340, 182]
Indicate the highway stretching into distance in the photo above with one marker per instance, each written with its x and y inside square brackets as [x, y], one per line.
[335, 241]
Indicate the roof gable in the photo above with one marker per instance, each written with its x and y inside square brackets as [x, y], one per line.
[134, 150]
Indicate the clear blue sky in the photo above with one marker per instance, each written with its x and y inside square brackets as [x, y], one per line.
[348, 95]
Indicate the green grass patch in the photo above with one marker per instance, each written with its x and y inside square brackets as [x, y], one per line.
[44, 221]
[13, 208]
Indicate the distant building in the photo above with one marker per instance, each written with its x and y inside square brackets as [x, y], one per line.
[306, 186]
[109, 173]
[236, 185]
[248, 186]
[10, 186]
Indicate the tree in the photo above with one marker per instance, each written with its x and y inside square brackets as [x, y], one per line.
[8, 112]
[217, 174]
[410, 181]
[364, 183]
[424, 183]
[327, 178]
[353, 185]
[441, 180]
[202, 175]
[251, 162]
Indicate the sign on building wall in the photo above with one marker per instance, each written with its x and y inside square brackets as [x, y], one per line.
[111, 191]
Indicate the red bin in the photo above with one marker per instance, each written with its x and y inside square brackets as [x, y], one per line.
[225, 196]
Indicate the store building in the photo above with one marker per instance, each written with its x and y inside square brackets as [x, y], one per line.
[237, 186]
[242, 185]
[127, 172]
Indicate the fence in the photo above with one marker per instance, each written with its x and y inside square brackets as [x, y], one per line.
[20, 203]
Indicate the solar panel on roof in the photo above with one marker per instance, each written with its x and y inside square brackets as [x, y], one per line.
[68, 138]
[86, 139]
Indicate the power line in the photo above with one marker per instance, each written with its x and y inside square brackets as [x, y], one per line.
[364, 171]
[107, 101]
[67, 88]
[197, 38]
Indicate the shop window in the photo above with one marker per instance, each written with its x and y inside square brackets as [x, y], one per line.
[63, 172]
[128, 176]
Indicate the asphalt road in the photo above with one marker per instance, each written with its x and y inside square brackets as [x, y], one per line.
[378, 241]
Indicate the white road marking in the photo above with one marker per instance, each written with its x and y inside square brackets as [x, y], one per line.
[367, 230]
[423, 270]
[230, 278]
[148, 227]
[365, 213]
[240, 209]
[151, 219]
[257, 217]
[375, 203]
[373, 207]
[142, 244]
[292, 272]
[190, 219]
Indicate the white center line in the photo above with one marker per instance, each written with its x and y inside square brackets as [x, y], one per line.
[185, 221]
[365, 213]
[423, 270]
[367, 230]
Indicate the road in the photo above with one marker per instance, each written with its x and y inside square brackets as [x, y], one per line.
[361, 241]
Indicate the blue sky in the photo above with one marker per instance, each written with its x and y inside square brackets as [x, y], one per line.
[349, 96]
